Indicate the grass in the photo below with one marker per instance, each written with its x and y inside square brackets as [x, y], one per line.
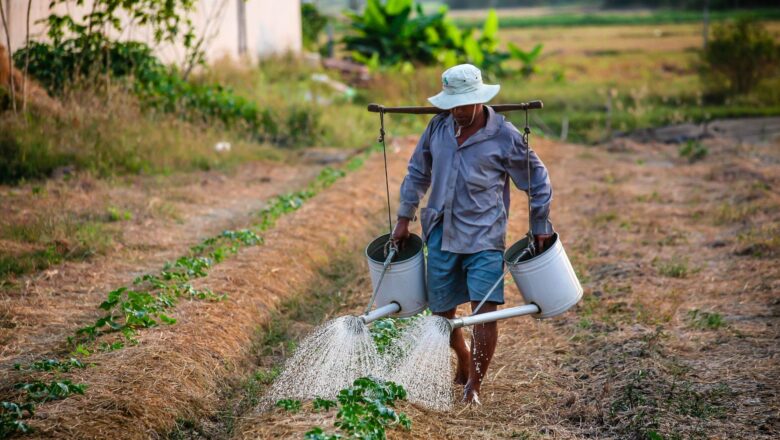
[676, 267]
[706, 320]
[52, 239]
[621, 19]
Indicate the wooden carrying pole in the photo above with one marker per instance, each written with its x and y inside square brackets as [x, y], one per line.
[378, 108]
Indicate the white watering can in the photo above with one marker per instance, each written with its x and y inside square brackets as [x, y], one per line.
[546, 281]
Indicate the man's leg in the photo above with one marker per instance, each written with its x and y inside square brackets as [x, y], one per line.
[458, 343]
[483, 345]
[482, 271]
[447, 289]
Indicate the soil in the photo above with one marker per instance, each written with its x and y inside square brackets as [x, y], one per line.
[168, 217]
[659, 245]
[676, 336]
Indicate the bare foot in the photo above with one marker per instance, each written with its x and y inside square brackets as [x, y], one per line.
[471, 395]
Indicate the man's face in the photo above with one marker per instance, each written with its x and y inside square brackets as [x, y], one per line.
[463, 115]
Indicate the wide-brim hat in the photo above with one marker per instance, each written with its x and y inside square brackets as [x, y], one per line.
[462, 85]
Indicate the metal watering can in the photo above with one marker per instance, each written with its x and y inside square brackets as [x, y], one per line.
[546, 281]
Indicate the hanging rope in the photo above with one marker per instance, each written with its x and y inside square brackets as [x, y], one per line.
[526, 139]
[387, 179]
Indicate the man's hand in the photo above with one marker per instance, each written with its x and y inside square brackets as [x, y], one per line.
[542, 242]
[401, 232]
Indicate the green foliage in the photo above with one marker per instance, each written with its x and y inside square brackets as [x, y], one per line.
[323, 404]
[291, 405]
[740, 55]
[51, 365]
[706, 320]
[115, 214]
[693, 150]
[651, 17]
[386, 330]
[58, 65]
[11, 415]
[19, 160]
[366, 411]
[528, 58]
[397, 32]
[673, 268]
[168, 21]
[61, 64]
[38, 391]
[312, 24]
[146, 302]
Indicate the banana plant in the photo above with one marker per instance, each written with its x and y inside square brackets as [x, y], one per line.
[528, 58]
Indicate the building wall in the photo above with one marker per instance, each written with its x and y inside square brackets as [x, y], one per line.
[272, 27]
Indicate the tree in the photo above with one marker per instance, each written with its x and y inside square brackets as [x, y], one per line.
[741, 53]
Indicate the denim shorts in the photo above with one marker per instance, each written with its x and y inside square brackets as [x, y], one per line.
[455, 279]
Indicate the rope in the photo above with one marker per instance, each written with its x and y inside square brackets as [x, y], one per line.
[531, 248]
[526, 138]
[387, 179]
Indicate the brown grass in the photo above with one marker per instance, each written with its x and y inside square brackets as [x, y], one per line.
[176, 371]
[39, 310]
[628, 361]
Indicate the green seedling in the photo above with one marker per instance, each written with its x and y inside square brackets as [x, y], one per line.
[291, 405]
[51, 365]
[41, 392]
[11, 415]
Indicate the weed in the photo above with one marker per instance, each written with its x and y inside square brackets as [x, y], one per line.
[605, 218]
[687, 401]
[38, 391]
[11, 415]
[115, 214]
[706, 320]
[265, 377]
[693, 151]
[673, 268]
[291, 405]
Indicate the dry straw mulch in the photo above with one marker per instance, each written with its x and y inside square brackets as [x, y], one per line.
[177, 372]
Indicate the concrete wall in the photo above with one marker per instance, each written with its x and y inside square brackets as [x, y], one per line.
[271, 27]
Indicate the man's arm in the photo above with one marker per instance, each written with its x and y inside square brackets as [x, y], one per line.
[415, 184]
[540, 186]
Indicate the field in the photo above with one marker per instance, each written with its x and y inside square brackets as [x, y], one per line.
[676, 245]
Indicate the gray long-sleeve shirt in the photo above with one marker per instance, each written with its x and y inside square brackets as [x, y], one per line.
[470, 183]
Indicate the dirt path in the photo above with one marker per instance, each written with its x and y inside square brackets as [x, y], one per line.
[164, 218]
[677, 335]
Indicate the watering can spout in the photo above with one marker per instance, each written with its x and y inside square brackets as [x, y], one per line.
[482, 318]
[380, 312]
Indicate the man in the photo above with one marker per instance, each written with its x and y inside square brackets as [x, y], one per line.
[467, 156]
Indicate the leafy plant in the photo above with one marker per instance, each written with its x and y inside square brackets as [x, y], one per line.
[291, 405]
[740, 54]
[323, 404]
[528, 58]
[366, 411]
[51, 365]
[11, 415]
[398, 32]
[693, 150]
[41, 392]
[312, 24]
